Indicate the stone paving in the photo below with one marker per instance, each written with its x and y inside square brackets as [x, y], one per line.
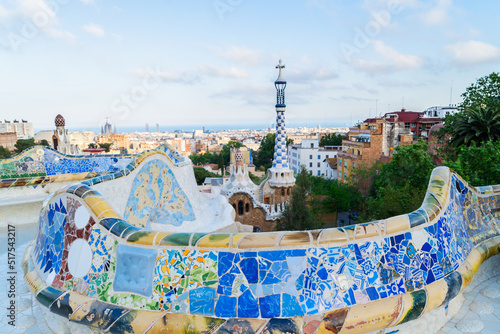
[480, 312]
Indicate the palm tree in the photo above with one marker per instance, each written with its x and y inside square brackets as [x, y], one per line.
[476, 124]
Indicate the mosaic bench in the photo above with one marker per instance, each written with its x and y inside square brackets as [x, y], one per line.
[95, 267]
[41, 165]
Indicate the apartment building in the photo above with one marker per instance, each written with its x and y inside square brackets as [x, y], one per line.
[312, 156]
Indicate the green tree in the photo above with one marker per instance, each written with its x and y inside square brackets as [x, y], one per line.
[92, 145]
[264, 156]
[478, 119]
[44, 142]
[485, 91]
[4, 153]
[478, 165]
[201, 173]
[477, 124]
[401, 184]
[23, 144]
[221, 162]
[106, 146]
[297, 215]
[331, 139]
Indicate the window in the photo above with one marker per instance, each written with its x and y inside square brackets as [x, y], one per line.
[345, 176]
[359, 152]
[319, 156]
[407, 125]
[310, 157]
[288, 191]
[340, 161]
[240, 208]
[319, 173]
[353, 165]
[345, 163]
[310, 164]
[247, 207]
[312, 146]
[319, 164]
[327, 156]
[282, 192]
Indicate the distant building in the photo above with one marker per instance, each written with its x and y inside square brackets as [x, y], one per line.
[370, 142]
[330, 168]
[418, 123]
[441, 111]
[8, 140]
[60, 139]
[119, 142]
[310, 155]
[23, 129]
[107, 128]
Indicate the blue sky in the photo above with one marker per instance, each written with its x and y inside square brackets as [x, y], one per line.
[213, 62]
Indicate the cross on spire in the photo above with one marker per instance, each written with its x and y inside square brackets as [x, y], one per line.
[280, 66]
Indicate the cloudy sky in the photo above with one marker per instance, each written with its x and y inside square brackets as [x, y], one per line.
[207, 62]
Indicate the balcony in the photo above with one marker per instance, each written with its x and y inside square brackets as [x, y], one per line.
[348, 155]
[352, 143]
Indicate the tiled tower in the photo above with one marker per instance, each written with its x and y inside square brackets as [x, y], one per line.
[280, 175]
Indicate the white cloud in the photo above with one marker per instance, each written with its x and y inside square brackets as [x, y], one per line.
[473, 52]
[242, 55]
[94, 29]
[231, 72]
[392, 60]
[38, 16]
[437, 15]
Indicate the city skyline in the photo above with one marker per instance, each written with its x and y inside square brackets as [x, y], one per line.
[212, 63]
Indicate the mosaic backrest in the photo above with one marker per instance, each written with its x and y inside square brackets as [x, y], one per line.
[40, 165]
[388, 272]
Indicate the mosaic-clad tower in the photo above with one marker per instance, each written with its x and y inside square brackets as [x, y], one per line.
[280, 175]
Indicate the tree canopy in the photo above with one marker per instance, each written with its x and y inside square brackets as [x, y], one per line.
[297, 214]
[4, 153]
[331, 139]
[486, 91]
[23, 144]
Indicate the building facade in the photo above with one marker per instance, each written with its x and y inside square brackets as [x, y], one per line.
[312, 156]
[23, 129]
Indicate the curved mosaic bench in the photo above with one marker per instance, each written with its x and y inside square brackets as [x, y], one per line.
[41, 165]
[109, 274]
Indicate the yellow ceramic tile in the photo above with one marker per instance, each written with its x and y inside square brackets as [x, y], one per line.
[483, 251]
[397, 224]
[183, 323]
[259, 240]
[215, 240]
[475, 259]
[295, 239]
[367, 231]
[82, 311]
[76, 299]
[160, 236]
[373, 316]
[101, 207]
[237, 238]
[492, 247]
[443, 172]
[332, 235]
[34, 282]
[436, 294]
[135, 321]
[93, 200]
[467, 273]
